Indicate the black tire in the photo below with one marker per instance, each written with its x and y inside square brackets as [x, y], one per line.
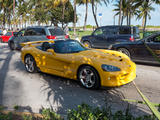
[12, 46]
[125, 51]
[88, 44]
[89, 77]
[30, 64]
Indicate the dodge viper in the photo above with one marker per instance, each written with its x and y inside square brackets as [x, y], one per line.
[70, 59]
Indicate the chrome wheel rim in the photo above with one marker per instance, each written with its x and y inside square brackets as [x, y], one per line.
[87, 78]
[125, 51]
[29, 64]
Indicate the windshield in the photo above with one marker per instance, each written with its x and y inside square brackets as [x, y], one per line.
[68, 46]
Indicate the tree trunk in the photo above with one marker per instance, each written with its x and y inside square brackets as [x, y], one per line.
[130, 18]
[94, 15]
[63, 9]
[74, 24]
[122, 20]
[127, 18]
[85, 20]
[144, 22]
[4, 20]
[120, 13]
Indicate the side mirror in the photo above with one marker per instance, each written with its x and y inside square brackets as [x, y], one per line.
[51, 51]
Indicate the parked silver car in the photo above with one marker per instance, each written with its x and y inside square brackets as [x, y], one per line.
[36, 33]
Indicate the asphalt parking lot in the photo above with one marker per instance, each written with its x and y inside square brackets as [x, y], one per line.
[34, 91]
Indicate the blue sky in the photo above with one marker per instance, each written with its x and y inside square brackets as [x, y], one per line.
[108, 13]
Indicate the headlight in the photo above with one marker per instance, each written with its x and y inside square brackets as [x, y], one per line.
[110, 68]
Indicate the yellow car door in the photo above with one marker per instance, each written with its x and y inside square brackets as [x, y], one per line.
[55, 63]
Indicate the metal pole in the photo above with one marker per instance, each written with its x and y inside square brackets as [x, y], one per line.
[114, 19]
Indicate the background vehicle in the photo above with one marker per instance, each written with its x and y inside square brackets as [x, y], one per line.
[1, 32]
[5, 38]
[138, 50]
[36, 33]
[104, 36]
[70, 59]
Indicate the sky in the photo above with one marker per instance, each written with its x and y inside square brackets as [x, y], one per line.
[108, 16]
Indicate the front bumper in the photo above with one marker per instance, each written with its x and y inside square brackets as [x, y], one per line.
[113, 79]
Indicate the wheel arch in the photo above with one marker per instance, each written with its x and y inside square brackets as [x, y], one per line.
[125, 48]
[90, 66]
[27, 54]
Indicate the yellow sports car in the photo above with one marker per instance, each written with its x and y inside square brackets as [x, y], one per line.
[70, 59]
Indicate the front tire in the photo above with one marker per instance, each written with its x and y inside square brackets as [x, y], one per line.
[30, 64]
[125, 51]
[89, 77]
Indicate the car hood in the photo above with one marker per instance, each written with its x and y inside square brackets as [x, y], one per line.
[109, 57]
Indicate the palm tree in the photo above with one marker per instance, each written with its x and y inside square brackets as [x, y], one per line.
[128, 9]
[94, 8]
[123, 12]
[6, 9]
[145, 10]
[63, 2]
[75, 17]
[82, 2]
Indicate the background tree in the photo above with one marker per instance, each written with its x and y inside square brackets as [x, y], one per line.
[75, 17]
[55, 14]
[86, 2]
[144, 12]
[94, 7]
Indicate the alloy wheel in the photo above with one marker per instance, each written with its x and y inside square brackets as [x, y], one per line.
[87, 77]
[30, 64]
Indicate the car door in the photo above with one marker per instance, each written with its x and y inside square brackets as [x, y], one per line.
[98, 38]
[153, 47]
[144, 48]
[35, 34]
[110, 36]
[138, 50]
[20, 37]
[53, 63]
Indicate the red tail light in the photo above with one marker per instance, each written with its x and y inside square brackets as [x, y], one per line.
[51, 37]
[66, 36]
[131, 38]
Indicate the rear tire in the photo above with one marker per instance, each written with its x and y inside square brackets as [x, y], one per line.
[89, 77]
[12, 46]
[30, 64]
[125, 51]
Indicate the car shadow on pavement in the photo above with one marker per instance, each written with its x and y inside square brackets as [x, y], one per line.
[3, 72]
[64, 94]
